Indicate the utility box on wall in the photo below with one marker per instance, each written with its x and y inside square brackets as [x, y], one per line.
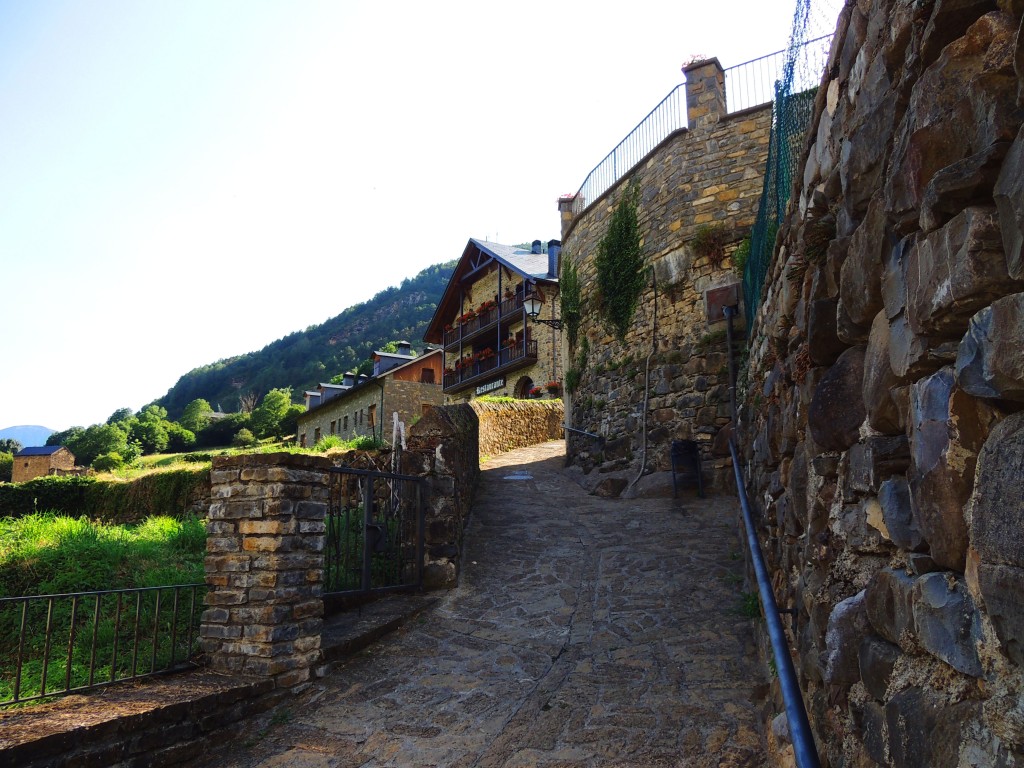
[717, 299]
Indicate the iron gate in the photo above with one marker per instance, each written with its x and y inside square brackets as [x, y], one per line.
[374, 536]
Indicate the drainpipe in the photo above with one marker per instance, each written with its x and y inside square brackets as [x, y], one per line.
[380, 418]
[729, 312]
[647, 382]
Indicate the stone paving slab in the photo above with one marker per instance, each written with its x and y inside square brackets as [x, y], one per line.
[585, 632]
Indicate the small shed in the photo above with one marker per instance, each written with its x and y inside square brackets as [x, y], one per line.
[42, 461]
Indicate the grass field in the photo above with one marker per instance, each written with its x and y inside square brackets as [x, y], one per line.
[49, 554]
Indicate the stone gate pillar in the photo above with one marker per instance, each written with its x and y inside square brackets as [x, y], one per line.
[264, 565]
[705, 93]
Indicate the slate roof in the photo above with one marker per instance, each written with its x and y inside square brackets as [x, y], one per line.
[521, 260]
[41, 450]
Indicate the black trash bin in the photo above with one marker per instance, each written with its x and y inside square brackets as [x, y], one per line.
[686, 466]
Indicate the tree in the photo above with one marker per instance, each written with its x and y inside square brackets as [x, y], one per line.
[6, 467]
[244, 439]
[196, 416]
[151, 435]
[266, 418]
[121, 415]
[96, 440]
[290, 421]
[247, 401]
[179, 439]
[10, 445]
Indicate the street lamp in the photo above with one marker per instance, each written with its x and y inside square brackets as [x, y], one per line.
[533, 304]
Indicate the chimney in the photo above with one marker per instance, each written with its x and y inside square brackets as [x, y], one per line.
[554, 249]
[536, 247]
[363, 377]
[349, 379]
[404, 348]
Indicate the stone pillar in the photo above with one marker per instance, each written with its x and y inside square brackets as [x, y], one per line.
[264, 565]
[705, 93]
[565, 211]
[444, 447]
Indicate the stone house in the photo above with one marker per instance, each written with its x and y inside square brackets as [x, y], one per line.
[492, 345]
[401, 383]
[42, 461]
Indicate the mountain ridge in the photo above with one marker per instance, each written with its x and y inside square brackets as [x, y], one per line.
[303, 359]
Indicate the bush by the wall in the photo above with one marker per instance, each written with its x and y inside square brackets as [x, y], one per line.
[164, 493]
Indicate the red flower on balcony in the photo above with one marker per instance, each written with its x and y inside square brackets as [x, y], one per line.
[484, 354]
[536, 392]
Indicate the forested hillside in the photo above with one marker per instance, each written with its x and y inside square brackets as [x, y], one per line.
[302, 359]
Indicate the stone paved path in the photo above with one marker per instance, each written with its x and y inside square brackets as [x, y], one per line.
[585, 632]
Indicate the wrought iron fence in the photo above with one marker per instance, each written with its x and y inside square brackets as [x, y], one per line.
[374, 538]
[752, 83]
[56, 644]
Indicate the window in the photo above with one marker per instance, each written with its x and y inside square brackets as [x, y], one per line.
[346, 423]
[427, 376]
[361, 417]
[302, 440]
[425, 408]
[316, 435]
[333, 425]
[372, 416]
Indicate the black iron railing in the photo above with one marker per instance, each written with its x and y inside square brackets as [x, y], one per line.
[478, 369]
[56, 644]
[374, 537]
[749, 84]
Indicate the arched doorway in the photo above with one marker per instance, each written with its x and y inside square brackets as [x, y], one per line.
[523, 387]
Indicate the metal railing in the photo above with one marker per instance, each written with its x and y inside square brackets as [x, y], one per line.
[57, 644]
[805, 752]
[514, 353]
[752, 83]
[749, 84]
[374, 532]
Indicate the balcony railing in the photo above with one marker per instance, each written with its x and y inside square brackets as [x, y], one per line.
[503, 311]
[506, 358]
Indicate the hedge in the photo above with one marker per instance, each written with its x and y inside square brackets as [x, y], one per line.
[175, 493]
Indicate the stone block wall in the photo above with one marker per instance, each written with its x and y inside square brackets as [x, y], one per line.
[711, 174]
[507, 426]
[884, 414]
[443, 446]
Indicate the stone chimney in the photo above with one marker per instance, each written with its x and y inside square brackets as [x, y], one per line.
[536, 247]
[349, 379]
[705, 93]
[554, 249]
[404, 348]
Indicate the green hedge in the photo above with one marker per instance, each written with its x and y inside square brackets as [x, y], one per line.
[163, 493]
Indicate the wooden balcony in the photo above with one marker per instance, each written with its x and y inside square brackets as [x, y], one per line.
[509, 311]
[507, 359]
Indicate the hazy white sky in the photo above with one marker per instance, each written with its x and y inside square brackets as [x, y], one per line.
[185, 181]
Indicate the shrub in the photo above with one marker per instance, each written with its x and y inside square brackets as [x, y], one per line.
[197, 457]
[327, 443]
[740, 257]
[6, 467]
[108, 462]
[620, 265]
[709, 242]
[244, 439]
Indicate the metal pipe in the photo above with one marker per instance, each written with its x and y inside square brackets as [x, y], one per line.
[804, 750]
[729, 312]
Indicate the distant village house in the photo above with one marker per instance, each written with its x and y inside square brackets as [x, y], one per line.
[401, 383]
[498, 322]
[46, 460]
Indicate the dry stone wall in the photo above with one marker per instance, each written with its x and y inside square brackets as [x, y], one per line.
[884, 415]
[710, 174]
[507, 426]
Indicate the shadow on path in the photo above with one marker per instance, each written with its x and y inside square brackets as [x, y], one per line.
[584, 632]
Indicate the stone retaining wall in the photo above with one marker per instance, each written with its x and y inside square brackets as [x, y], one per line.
[884, 424]
[507, 426]
[710, 174]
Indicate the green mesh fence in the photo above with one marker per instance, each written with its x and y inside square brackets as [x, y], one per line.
[806, 56]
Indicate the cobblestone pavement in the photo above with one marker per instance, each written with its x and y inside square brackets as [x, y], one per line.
[585, 632]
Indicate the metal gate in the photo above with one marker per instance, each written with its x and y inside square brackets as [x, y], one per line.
[374, 537]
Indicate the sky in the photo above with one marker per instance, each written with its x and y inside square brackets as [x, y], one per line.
[186, 181]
